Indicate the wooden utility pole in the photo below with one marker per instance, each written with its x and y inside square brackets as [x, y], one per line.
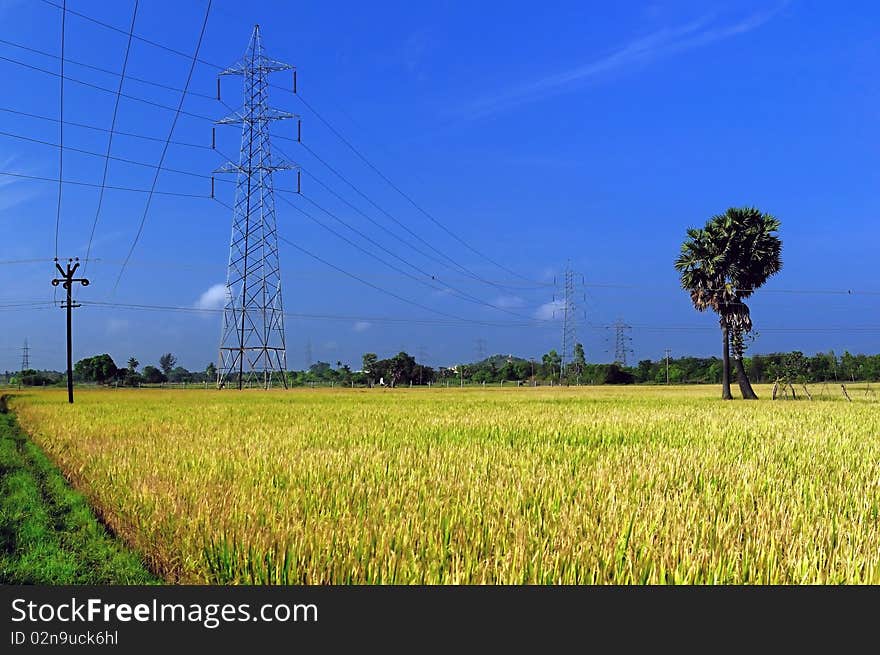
[66, 281]
[668, 352]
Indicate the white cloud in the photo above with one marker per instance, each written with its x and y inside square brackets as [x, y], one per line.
[665, 41]
[362, 326]
[508, 302]
[546, 311]
[213, 298]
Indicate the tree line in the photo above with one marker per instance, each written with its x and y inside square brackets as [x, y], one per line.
[402, 369]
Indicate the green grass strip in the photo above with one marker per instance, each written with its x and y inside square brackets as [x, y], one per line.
[48, 532]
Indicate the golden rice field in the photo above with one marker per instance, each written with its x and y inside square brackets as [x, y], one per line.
[572, 485]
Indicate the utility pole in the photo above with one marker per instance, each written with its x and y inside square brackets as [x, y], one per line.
[252, 340]
[621, 341]
[668, 352]
[66, 281]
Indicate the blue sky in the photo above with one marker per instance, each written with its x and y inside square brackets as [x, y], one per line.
[583, 131]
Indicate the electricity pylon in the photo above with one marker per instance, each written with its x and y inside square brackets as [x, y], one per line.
[569, 325]
[252, 343]
[25, 359]
[621, 342]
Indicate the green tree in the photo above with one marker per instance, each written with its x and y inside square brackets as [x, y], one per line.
[580, 359]
[721, 265]
[167, 362]
[402, 368]
[99, 368]
[614, 374]
[343, 372]
[369, 361]
[551, 363]
[179, 374]
[153, 375]
[211, 371]
[131, 375]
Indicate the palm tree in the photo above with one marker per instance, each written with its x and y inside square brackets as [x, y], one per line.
[757, 257]
[133, 364]
[721, 265]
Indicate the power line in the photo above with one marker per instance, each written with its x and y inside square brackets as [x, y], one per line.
[406, 196]
[310, 316]
[135, 162]
[45, 304]
[165, 147]
[370, 284]
[136, 36]
[98, 87]
[356, 209]
[461, 267]
[455, 263]
[355, 245]
[110, 138]
[162, 106]
[336, 132]
[363, 281]
[869, 329]
[461, 294]
[60, 130]
[98, 186]
[103, 129]
[107, 71]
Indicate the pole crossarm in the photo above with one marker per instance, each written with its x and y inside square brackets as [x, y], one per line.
[67, 281]
[268, 114]
[276, 165]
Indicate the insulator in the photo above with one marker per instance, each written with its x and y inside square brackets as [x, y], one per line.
[299, 182]
[212, 186]
[213, 138]
[299, 126]
[218, 88]
[294, 81]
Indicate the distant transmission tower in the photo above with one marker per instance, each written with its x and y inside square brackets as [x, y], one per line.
[480, 348]
[621, 342]
[569, 324]
[25, 359]
[252, 344]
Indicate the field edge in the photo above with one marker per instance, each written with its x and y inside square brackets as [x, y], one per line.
[49, 534]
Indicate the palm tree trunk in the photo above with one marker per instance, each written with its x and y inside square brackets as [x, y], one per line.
[725, 363]
[736, 344]
[745, 387]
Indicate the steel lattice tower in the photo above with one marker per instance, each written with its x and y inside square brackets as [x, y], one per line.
[621, 341]
[25, 359]
[252, 344]
[569, 326]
